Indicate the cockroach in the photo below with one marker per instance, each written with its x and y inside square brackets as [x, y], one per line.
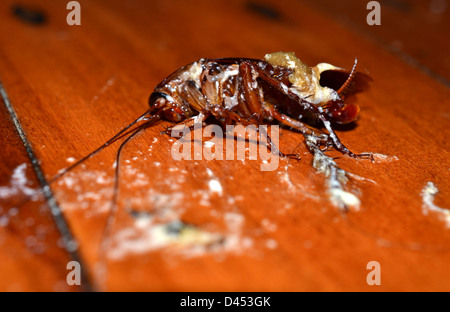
[277, 89]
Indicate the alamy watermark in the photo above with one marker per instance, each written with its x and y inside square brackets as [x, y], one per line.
[74, 276]
[374, 276]
[251, 140]
[374, 16]
[74, 16]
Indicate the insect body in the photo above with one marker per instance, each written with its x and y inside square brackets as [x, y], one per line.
[279, 88]
[250, 91]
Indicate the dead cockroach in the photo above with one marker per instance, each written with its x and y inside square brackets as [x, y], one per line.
[246, 91]
[279, 89]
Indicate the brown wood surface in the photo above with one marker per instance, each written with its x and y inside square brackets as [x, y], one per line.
[30, 242]
[73, 87]
[413, 30]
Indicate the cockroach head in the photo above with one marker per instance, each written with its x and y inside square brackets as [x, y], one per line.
[305, 82]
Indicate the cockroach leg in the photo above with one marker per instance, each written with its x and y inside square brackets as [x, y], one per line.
[286, 120]
[195, 98]
[250, 90]
[189, 123]
[338, 145]
[253, 98]
[277, 151]
[221, 113]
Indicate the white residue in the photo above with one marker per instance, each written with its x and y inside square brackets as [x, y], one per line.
[271, 244]
[70, 160]
[268, 225]
[18, 184]
[215, 186]
[284, 178]
[234, 221]
[204, 197]
[234, 241]
[168, 204]
[105, 87]
[379, 158]
[359, 178]
[339, 197]
[336, 177]
[428, 194]
[98, 190]
[145, 237]
[101, 178]
[180, 238]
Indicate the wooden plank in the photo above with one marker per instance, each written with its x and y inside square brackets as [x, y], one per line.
[73, 87]
[31, 244]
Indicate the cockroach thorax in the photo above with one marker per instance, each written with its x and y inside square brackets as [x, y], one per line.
[305, 80]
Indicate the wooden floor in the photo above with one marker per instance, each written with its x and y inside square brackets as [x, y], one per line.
[198, 225]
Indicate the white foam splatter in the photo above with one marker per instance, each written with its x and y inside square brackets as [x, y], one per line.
[70, 160]
[214, 184]
[234, 240]
[268, 225]
[379, 158]
[271, 244]
[215, 187]
[179, 238]
[428, 194]
[336, 177]
[146, 236]
[18, 184]
[84, 199]
[284, 178]
[339, 197]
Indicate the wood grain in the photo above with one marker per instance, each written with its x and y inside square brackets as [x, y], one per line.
[73, 87]
[31, 244]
